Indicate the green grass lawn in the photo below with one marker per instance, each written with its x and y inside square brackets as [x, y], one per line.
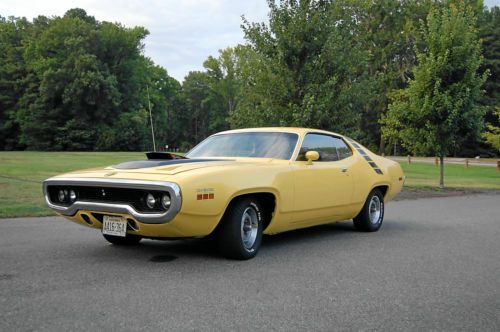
[455, 176]
[22, 173]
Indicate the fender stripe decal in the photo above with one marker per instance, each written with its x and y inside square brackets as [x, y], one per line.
[365, 155]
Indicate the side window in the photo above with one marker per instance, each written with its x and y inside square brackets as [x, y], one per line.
[342, 149]
[325, 145]
[329, 148]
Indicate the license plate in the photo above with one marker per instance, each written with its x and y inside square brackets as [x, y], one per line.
[113, 225]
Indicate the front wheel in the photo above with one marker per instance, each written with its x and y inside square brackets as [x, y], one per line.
[128, 240]
[371, 216]
[240, 235]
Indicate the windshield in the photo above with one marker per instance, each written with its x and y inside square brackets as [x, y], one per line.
[249, 144]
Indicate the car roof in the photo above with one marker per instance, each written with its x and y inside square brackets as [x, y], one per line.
[296, 130]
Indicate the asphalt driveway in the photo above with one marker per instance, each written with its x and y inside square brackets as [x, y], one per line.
[435, 265]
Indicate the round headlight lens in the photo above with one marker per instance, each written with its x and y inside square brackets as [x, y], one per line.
[150, 201]
[61, 195]
[165, 201]
[72, 195]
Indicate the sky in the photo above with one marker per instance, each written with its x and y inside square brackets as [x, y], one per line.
[183, 33]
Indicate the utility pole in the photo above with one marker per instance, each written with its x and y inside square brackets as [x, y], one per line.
[151, 120]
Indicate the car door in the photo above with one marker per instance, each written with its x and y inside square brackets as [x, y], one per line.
[322, 188]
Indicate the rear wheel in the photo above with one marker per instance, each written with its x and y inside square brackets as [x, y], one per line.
[128, 240]
[240, 235]
[371, 216]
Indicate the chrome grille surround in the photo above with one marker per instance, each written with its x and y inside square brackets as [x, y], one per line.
[150, 218]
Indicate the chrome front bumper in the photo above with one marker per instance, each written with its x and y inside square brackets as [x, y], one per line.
[149, 218]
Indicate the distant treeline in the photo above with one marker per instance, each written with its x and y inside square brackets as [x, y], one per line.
[75, 83]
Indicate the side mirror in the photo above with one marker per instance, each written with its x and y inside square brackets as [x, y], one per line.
[311, 156]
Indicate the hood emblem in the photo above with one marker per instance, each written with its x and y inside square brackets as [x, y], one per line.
[110, 174]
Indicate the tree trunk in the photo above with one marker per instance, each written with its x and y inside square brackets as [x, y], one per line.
[441, 171]
[382, 145]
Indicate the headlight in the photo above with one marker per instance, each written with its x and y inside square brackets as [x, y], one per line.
[62, 195]
[165, 201]
[72, 196]
[150, 201]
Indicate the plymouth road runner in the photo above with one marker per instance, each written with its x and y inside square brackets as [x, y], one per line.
[234, 186]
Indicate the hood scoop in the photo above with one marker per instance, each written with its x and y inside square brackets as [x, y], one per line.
[158, 162]
[154, 155]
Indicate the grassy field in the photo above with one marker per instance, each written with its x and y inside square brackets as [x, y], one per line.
[455, 176]
[22, 173]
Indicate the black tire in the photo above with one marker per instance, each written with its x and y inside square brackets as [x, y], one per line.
[370, 222]
[128, 240]
[232, 240]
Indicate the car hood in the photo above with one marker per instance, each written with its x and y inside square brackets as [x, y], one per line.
[154, 168]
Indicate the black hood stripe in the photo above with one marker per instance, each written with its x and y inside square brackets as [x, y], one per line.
[155, 163]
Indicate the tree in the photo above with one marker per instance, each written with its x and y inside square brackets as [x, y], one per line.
[74, 83]
[387, 34]
[211, 96]
[12, 77]
[490, 34]
[488, 25]
[225, 86]
[196, 90]
[489, 31]
[167, 108]
[69, 88]
[306, 67]
[85, 86]
[439, 109]
[492, 136]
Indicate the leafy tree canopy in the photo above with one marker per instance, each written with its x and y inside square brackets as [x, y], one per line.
[405, 69]
[439, 110]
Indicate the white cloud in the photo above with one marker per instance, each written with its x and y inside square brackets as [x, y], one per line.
[183, 33]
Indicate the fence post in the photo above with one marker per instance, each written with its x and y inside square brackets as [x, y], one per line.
[409, 159]
[466, 163]
[436, 161]
[498, 165]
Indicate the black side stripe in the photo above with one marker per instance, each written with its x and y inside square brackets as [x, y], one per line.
[365, 155]
[369, 160]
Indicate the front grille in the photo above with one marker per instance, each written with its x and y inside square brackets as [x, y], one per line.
[130, 196]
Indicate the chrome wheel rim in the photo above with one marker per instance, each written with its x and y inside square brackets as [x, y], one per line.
[249, 227]
[375, 210]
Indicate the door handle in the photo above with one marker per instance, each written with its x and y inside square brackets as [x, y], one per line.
[343, 169]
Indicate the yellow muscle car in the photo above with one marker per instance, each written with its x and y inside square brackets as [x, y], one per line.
[235, 186]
